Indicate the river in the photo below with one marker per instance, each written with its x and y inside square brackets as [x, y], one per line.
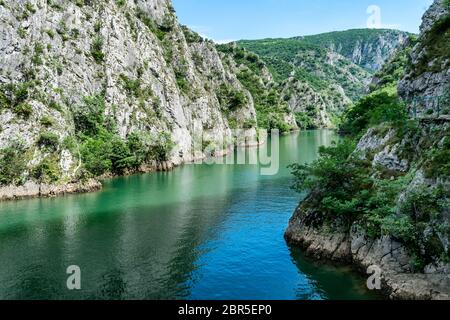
[198, 232]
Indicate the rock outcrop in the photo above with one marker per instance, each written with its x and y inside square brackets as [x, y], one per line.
[126, 66]
[322, 75]
[421, 155]
[426, 85]
[386, 253]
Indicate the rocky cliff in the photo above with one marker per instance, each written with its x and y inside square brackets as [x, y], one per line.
[368, 48]
[397, 218]
[426, 85]
[322, 75]
[89, 88]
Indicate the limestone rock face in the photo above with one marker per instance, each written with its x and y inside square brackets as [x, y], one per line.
[426, 85]
[154, 76]
[372, 55]
[393, 153]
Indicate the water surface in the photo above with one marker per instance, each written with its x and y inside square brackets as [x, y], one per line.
[199, 232]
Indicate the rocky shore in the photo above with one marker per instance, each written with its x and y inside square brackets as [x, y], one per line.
[33, 190]
[361, 252]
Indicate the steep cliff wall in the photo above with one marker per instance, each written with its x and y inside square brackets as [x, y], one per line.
[87, 85]
[426, 85]
[397, 215]
[368, 48]
[322, 75]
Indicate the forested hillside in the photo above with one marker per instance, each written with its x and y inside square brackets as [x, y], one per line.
[323, 75]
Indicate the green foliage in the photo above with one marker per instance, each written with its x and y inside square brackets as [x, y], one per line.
[55, 106]
[96, 153]
[48, 140]
[132, 86]
[191, 36]
[344, 188]
[159, 30]
[346, 41]
[271, 109]
[380, 106]
[89, 118]
[182, 81]
[304, 121]
[97, 49]
[230, 98]
[331, 171]
[50, 33]
[437, 163]
[47, 121]
[14, 94]
[21, 32]
[161, 147]
[23, 110]
[47, 171]
[435, 48]
[30, 7]
[393, 70]
[12, 164]
[121, 3]
[308, 62]
[103, 151]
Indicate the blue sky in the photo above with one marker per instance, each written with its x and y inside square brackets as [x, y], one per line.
[226, 20]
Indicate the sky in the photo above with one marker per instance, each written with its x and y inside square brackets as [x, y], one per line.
[230, 20]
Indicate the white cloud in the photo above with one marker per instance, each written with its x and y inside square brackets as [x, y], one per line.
[204, 32]
[223, 41]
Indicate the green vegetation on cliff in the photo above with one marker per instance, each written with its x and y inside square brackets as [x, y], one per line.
[271, 109]
[103, 151]
[389, 174]
[309, 63]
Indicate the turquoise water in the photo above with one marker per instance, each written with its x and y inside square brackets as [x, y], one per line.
[199, 232]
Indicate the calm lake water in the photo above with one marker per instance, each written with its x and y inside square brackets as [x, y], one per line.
[199, 232]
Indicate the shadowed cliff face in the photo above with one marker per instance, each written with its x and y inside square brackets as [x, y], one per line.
[427, 80]
[126, 68]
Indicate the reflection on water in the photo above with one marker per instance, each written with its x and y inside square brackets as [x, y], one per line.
[199, 232]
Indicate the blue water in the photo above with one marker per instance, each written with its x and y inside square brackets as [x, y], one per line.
[199, 232]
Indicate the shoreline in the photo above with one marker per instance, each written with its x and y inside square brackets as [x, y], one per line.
[33, 190]
[358, 251]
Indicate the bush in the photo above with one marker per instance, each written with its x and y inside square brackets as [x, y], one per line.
[96, 49]
[89, 118]
[437, 162]
[304, 121]
[14, 94]
[344, 188]
[48, 140]
[161, 147]
[47, 121]
[380, 106]
[133, 87]
[47, 171]
[96, 155]
[231, 99]
[12, 164]
[121, 157]
[121, 3]
[23, 110]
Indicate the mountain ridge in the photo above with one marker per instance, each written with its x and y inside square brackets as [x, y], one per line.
[320, 82]
[97, 88]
